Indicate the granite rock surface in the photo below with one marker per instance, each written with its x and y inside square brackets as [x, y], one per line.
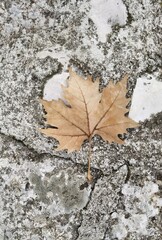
[44, 194]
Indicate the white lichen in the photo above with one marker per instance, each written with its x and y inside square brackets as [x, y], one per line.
[105, 14]
[141, 203]
[147, 98]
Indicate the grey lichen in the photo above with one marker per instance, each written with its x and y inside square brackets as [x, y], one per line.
[61, 191]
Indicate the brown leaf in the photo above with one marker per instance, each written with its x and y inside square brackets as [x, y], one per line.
[88, 112]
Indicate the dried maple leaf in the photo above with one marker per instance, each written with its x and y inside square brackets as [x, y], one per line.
[88, 112]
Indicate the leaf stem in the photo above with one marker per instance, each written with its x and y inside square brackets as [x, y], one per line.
[89, 176]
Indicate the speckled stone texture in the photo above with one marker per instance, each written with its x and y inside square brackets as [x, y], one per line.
[44, 194]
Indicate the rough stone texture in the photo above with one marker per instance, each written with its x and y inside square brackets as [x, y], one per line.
[44, 193]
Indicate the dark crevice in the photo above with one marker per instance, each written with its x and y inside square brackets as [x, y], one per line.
[128, 172]
[41, 155]
[104, 237]
[93, 184]
[80, 224]
[126, 163]
[129, 16]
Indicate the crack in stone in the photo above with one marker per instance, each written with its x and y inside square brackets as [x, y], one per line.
[104, 237]
[128, 173]
[40, 155]
[100, 174]
[92, 189]
[81, 221]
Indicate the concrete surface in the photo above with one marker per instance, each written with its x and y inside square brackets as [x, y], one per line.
[43, 193]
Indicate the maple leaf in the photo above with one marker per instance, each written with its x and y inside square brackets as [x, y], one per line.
[88, 112]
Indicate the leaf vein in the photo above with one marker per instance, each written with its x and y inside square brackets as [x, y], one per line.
[106, 111]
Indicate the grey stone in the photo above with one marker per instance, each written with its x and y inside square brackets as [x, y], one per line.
[44, 194]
